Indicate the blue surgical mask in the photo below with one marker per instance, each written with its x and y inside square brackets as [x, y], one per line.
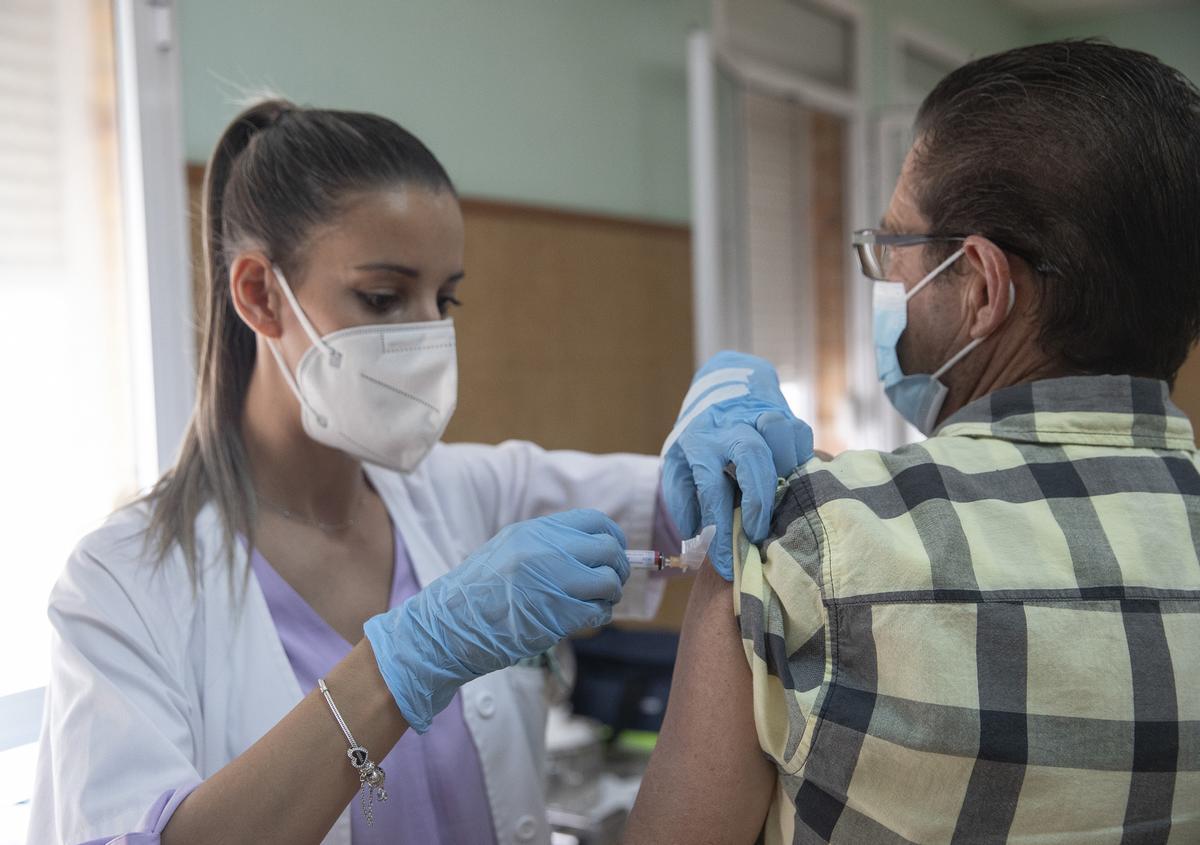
[918, 397]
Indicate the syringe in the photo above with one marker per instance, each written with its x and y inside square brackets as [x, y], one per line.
[691, 555]
[649, 559]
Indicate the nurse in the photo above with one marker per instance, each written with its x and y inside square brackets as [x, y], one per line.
[210, 676]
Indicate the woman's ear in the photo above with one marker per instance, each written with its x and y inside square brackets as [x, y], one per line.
[255, 294]
[990, 285]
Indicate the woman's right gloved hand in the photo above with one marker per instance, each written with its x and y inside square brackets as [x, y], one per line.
[527, 588]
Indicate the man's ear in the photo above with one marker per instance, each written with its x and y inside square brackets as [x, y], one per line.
[990, 282]
[255, 293]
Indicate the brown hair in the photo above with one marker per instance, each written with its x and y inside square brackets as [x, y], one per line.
[277, 171]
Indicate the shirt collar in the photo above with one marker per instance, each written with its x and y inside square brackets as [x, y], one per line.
[1090, 410]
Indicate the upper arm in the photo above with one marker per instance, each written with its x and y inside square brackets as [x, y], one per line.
[517, 480]
[117, 707]
[707, 781]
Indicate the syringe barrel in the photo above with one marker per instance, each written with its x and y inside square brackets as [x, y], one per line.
[644, 559]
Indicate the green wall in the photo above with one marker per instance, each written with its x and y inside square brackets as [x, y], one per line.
[570, 103]
[972, 27]
[1172, 34]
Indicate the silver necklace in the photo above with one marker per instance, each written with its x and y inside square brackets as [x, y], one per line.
[326, 527]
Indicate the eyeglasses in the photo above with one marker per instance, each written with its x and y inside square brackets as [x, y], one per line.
[874, 248]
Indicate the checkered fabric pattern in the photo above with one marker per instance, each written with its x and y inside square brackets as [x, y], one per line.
[992, 636]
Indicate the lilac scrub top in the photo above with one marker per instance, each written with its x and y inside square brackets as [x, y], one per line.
[436, 791]
[435, 786]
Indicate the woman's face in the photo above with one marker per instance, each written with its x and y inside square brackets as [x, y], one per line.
[393, 256]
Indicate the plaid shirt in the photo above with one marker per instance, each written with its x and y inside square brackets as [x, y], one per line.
[992, 636]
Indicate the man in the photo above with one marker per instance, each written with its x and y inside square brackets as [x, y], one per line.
[993, 635]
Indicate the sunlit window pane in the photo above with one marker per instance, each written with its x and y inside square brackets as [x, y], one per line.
[66, 437]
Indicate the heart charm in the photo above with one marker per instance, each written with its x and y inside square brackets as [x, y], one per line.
[358, 756]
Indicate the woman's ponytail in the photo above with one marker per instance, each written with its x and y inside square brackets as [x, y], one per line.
[212, 461]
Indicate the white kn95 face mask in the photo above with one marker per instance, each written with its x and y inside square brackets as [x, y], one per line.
[383, 393]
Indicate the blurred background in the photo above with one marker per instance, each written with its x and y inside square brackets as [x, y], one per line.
[645, 182]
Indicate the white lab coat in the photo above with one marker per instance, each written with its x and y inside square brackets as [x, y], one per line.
[154, 688]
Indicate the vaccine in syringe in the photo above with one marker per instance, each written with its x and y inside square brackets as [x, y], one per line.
[648, 559]
[690, 556]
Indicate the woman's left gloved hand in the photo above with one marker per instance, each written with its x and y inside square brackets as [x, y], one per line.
[734, 413]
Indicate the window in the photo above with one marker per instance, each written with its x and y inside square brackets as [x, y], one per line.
[777, 125]
[919, 61]
[68, 436]
[74, 306]
[802, 38]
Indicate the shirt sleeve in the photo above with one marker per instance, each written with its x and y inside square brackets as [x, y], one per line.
[153, 823]
[518, 480]
[779, 605]
[665, 537]
[121, 708]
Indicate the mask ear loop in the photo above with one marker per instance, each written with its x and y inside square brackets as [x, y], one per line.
[966, 350]
[309, 329]
[934, 273]
[273, 345]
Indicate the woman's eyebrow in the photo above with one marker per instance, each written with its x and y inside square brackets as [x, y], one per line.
[389, 267]
[403, 270]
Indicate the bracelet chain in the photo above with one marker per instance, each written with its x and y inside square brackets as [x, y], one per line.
[370, 776]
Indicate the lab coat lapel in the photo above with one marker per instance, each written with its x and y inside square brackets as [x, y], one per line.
[248, 677]
[416, 516]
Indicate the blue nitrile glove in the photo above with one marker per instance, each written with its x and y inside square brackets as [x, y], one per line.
[527, 588]
[733, 413]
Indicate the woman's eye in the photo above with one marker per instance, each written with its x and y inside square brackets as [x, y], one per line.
[380, 303]
[445, 303]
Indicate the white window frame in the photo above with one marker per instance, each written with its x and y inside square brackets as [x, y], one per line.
[154, 199]
[707, 320]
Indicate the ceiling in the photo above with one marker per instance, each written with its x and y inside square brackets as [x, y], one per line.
[1065, 10]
